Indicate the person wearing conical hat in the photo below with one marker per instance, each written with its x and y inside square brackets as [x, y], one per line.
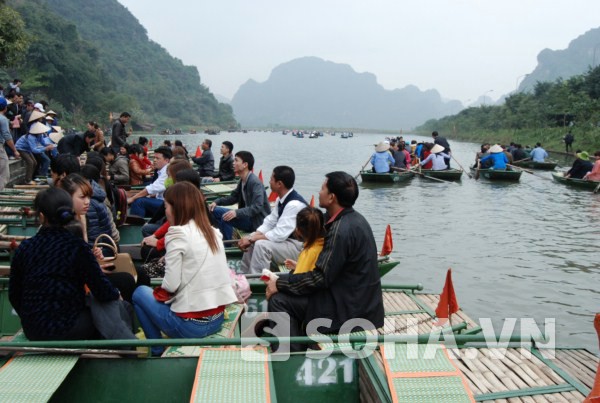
[497, 156]
[581, 166]
[381, 158]
[30, 146]
[437, 158]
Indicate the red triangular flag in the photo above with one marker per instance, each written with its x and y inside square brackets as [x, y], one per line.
[260, 176]
[312, 201]
[388, 243]
[594, 396]
[150, 144]
[198, 152]
[272, 197]
[448, 303]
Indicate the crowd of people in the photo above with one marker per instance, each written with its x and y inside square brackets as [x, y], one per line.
[185, 234]
[395, 154]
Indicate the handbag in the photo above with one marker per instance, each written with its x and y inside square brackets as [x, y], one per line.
[122, 261]
[155, 268]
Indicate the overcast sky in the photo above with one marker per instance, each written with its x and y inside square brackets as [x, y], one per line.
[462, 48]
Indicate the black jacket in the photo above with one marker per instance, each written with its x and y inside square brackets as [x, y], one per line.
[580, 168]
[226, 169]
[257, 206]
[73, 144]
[118, 136]
[345, 283]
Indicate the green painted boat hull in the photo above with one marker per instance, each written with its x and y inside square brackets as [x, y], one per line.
[395, 177]
[446, 174]
[498, 174]
[578, 183]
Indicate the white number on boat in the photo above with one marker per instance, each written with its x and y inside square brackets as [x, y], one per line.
[253, 305]
[324, 371]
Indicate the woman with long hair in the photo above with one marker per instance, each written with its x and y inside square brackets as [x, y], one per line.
[49, 272]
[196, 286]
[137, 167]
[95, 220]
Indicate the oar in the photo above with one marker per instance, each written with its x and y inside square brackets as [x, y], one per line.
[478, 168]
[597, 188]
[528, 171]
[524, 159]
[422, 174]
[461, 167]
[363, 168]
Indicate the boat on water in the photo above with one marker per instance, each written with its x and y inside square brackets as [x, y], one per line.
[498, 174]
[446, 174]
[578, 183]
[544, 166]
[392, 177]
[235, 366]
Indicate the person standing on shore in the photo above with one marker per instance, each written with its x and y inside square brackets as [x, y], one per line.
[5, 138]
[569, 139]
[437, 139]
[119, 134]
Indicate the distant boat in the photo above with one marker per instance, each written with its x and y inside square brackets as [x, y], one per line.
[344, 135]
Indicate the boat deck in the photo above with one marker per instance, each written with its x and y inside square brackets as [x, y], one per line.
[510, 375]
[414, 313]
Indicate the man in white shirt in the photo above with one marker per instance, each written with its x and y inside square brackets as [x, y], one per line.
[274, 239]
[141, 204]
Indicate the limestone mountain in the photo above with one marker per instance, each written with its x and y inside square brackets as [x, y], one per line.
[582, 53]
[310, 91]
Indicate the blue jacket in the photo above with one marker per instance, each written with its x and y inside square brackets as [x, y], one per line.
[499, 159]
[30, 143]
[382, 161]
[97, 218]
[47, 278]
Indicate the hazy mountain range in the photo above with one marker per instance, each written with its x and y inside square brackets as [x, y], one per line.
[310, 91]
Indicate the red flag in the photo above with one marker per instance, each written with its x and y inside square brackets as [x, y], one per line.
[312, 201]
[388, 243]
[198, 152]
[272, 197]
[260, 176]
[150, 144]
[594, 396]
[448, 303]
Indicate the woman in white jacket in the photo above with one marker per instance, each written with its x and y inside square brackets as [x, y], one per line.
[196, 287]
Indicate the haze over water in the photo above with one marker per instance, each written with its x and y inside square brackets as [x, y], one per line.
[527, 249]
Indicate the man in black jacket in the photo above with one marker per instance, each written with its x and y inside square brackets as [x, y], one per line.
[345, 283]
[75, 144]
[250, 196]
[119, 134]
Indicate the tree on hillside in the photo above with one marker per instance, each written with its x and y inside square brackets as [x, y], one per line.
[13, 38]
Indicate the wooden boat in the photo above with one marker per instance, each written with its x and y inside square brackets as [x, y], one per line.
[446, 174]
[394, 177]
[227, 367]
[545, 166]
[498, 174]
[579, 183]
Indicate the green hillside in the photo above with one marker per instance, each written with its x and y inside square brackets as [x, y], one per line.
[544, 115]
[92, 57]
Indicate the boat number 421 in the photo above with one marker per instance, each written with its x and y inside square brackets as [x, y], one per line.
[325, 371]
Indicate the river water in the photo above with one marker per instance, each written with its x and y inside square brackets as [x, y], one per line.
[517, 250]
